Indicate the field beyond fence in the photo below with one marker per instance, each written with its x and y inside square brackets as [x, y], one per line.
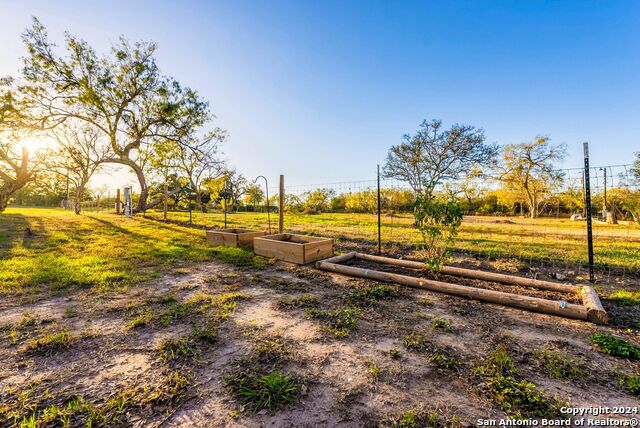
[551, 241]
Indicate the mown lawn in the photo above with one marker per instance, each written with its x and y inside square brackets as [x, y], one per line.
[554, 240]
[52, 250]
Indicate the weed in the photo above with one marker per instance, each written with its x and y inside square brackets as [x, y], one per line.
[631, 383]
[52, 342]
[416, 342]
[518, 398]
[442, 324]
[270, 391]
[171, 389]
[206, 334]
[303, 301]
[425, 302]
[616, 346]
[340, 321]
[141, 317]
[174, 311]
[27, 320]
[374, 370]
[422, 419]
[69, 312]
[228, 302]
[557, 365]
[371, 295]
[395, 353]
[443, 361]
[175, 350]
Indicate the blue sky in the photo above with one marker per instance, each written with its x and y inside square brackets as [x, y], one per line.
[320, 90]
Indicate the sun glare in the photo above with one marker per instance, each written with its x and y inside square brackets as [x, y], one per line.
[36, 144]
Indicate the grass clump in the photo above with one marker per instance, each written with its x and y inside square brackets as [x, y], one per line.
[340, 322]
[416, 342]
[442, 324]
[372, 295]
[52, 342]
[395, 353]
[616, 346]
[557, 365]
[269, 391]
[174, 311]
[228, 302]
[518, 398]
[303, 301]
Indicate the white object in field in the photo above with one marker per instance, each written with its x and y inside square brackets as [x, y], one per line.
[128, 211]
[576, 217]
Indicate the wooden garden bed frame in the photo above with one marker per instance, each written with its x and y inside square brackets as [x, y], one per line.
[233, 237]
[590, 310]
[300, 249]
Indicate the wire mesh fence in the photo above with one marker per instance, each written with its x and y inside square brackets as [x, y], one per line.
[347, 211]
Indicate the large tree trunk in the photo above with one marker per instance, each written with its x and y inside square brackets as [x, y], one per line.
[4, 199]
[142, 181]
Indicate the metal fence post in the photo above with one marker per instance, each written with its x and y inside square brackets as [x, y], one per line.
[587, 197]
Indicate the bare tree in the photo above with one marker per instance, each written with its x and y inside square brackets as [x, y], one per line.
[434, 155]
[529, 169]
[80, 152]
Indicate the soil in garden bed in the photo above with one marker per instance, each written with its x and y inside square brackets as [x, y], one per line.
[417, 273]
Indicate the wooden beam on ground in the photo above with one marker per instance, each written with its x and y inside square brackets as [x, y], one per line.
[478, 274]
[551, 307]
[595, 311]
[338, 259]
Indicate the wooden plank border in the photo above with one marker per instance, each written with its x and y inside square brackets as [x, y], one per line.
[590, 310]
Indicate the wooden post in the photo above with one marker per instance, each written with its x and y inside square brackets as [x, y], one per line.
[281, 205]
[166, 198]
[118, 201]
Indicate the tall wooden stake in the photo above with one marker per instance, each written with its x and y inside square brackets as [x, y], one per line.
[281, 205]
[587, 197]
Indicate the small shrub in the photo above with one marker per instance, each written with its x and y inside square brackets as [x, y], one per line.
[416, 342]
[557, 365]
[616, 346]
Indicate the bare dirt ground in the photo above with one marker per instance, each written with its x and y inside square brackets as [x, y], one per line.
[370, 376]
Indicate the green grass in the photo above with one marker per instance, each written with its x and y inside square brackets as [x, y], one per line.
[632, 384]
[625, 297]
[616, 346]
[303, 301]
[547, 239]
[99, 251]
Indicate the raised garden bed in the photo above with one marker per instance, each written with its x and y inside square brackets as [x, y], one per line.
[586, 304]
[300, 249]
[233, 237]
